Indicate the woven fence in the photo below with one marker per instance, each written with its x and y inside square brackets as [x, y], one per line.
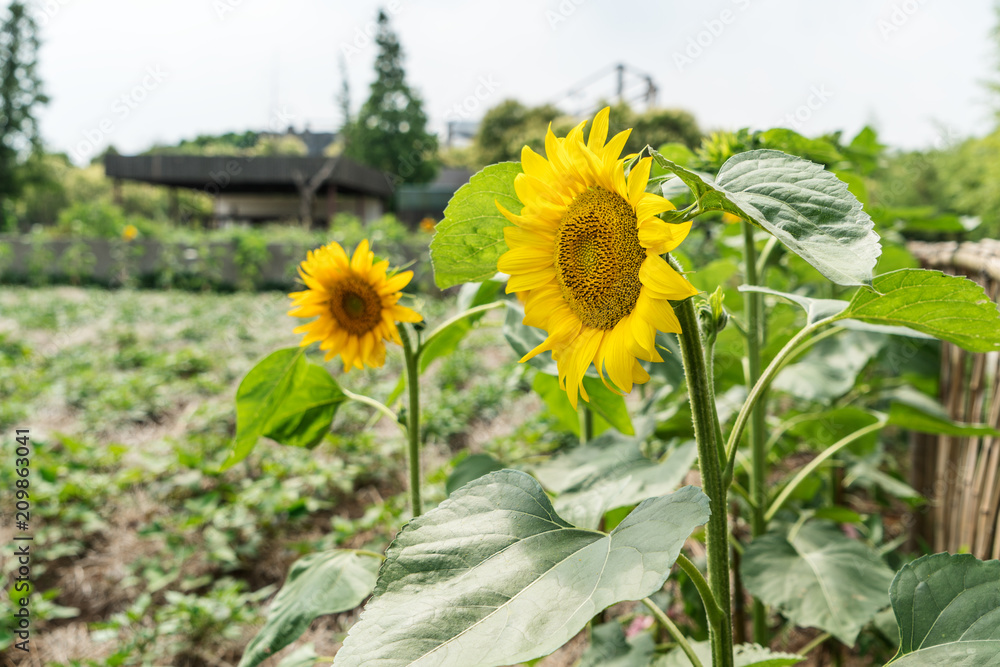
[960, 476]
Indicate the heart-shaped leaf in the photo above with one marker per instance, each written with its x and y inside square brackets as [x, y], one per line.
[819, 578]
[469, 241]
[948, 611]
[286, 398]
[321, 583]
[806, 207]
[493, 576]
[948, 307]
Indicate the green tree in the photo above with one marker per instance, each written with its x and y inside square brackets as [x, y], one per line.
[390, 132]
[507, 127]
[510, 125]
[20, 95]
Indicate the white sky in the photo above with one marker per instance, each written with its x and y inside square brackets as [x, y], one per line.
[913, 68]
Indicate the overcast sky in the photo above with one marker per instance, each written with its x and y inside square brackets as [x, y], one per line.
[134, 73]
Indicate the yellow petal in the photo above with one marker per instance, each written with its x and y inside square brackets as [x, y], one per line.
[637, 179]
[660, 277]
[599, 130]
[662, 237]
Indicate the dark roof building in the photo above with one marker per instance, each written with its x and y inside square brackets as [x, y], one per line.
[253, 188]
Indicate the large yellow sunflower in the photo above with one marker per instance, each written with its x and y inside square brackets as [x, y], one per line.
[584, 255]
[355, 302]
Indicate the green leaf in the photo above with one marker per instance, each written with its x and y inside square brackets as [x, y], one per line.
[745, 655]
[806, 207]
[523, 339]
[493, 576]
[607, 404]
[831, 367]
[611, 472]
[826, 428]
[816, 309]
[609, 648]
[448, 339]
[818, 578]
[469, 240]
[547, 388]
[866, 474]
[304, 656]
[322, 583]
[471, 467]
[285, 398]
[790, 141]
[919, 412]
[948, 611]
[951, 308]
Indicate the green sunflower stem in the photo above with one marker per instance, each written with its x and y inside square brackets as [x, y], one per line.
[412, 418]
[717, 532]
[757, 437]
[586, 424]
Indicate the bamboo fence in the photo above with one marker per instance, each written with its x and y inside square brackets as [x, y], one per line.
[960, 476]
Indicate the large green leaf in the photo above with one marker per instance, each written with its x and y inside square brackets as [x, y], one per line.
[611, 472]
[808, 209]
[744, 655]
[447, 341]
[948, 307]
[469, 241]
[915, 411]
[493, 576]
[830, 369]
[609, 648]
[948, 611]
[819, 578]
[285, 398]
[805, 206]
[321, 583]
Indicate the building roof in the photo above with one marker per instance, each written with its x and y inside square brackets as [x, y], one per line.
[217, 174]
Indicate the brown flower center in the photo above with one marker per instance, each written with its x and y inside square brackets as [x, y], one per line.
[355, 305]
[598, 256]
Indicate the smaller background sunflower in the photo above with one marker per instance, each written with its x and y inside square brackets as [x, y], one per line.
[354, 302]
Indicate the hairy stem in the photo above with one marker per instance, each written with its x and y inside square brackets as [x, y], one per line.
[712, 610]
[717, 532]
[412, 418]
[758, 474]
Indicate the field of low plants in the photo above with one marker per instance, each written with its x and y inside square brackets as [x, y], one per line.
[145, 553]
[514, 467]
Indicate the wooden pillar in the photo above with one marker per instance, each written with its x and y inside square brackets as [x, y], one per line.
[331, 203]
